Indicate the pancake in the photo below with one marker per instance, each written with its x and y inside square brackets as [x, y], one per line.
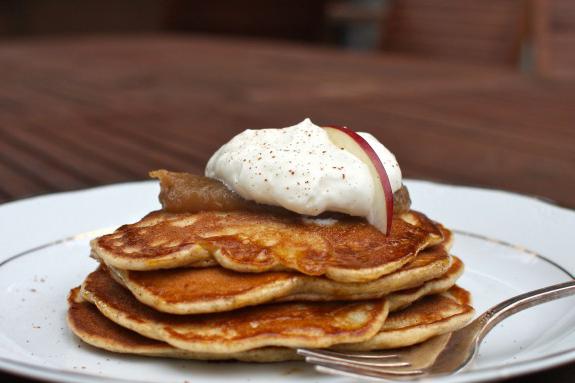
[401, 299]
[315, 325]
[346, 250]
[214, 289]
[434, 315]
[430, 316]
[92, 327]
[447, 242]
[210, 290]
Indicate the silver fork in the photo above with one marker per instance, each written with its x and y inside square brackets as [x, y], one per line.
[441, 355]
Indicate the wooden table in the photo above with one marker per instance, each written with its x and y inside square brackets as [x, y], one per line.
[79, 113]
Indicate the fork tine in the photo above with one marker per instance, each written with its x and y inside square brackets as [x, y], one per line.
[392, 354]
[348, 364]
[358, 362]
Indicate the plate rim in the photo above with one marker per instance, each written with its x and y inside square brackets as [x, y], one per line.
[512, 369]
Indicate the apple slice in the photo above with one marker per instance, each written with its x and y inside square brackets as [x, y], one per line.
[349, 140]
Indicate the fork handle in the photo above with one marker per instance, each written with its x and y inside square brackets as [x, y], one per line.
[505, 309]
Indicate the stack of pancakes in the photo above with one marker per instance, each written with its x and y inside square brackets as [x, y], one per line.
[255, 286]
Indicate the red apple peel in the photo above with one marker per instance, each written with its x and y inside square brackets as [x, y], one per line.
[358, 146]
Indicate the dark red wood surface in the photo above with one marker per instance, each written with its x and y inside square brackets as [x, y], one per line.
[83, 112]
[487, 31]
[80, 113]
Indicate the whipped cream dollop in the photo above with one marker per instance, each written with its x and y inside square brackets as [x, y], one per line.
[300, 169]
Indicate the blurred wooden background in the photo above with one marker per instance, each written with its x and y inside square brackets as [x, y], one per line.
[533, 35]
[462, 91]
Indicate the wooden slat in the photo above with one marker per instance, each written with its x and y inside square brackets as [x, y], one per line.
[489, 31]
[22, 159]
[18, 184]
[553, 36]
[60, 155]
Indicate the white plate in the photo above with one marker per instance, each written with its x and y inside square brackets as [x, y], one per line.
[509, 243]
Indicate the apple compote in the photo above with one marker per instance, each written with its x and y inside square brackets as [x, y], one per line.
[184, 192]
